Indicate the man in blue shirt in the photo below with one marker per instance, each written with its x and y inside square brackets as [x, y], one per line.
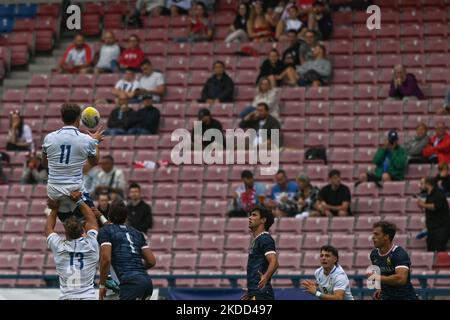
[262, 259]
[394, 265]
[124, 248]
[282, 191]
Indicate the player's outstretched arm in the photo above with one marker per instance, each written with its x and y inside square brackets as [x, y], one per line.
[51, 218]
[97, 135]
[149, 258]
[91, 220]
[311, 287]
[105, 263]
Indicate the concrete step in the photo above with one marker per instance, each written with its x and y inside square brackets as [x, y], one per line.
[37, 68]
[15, 83]
[19, 75]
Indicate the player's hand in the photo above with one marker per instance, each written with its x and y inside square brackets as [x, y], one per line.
[75, 196]
[309, 286]
[420, 203]
[96, 212]
[262, 283]
[245, 295]
[98, 135]
[101, 293]
[52, 204]
[377, 295]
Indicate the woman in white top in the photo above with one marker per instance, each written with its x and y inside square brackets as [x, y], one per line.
[267, 94]
[108, 55]
[20, 137]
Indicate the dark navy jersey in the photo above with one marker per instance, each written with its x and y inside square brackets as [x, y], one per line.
[127, 244]
[395, 258]
[262, 245]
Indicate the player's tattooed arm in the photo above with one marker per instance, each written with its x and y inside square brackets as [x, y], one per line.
[51, 218]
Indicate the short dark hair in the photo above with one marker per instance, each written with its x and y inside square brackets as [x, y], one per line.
[292, 31]
[274, 50]
[129, 70]
[70, 112]
[431, 181]
[146, 61]
[246, 174]
[73, 227]
[134, 185]
[265, 213]
[281, 171]
[103, 194]
[108, 157]
[265, 105]
[118, 212]
[219, 62]
[333, 173]
[387, 228]
[331, 250]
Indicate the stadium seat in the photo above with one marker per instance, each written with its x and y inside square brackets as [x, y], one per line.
[342, 224]
[235, 261]
[422, 259]
[214, 208]
[187, 225]
[237, 226]
[237, 243]
[189, 208]
[310, 260]
[34, 244]
[186, 243]
[184, 261]
[10, 244]
[316, 225]
[20, 191]
[314, 242]
[289, 243]
[211, 243]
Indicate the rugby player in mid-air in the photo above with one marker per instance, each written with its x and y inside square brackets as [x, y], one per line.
[66, 151]
[393, 263]
[127, 251]
[262, 259]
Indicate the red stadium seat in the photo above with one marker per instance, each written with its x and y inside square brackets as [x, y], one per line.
[211, 243]
[186, 243]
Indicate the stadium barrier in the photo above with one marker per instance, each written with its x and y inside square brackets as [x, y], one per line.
[359, 291]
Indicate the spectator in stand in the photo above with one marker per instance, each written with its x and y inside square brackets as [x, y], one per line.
[201, 27]
[146, 119]
[154, 7]
[34, 172]
[294, 45]
[259, 27]
[438, 150]
[391, 161]
[77, 58]
[4, 160]
[292, 23]
[207, 122]
[437, 216]
[178, 7]
[261, 119]
[306, 198]
[306, 47]
[247, 196]
[415, 145]
[107, 179]
[334, 198]
[121, 118]
[139, 212]
[282, 193]
[133, 56]
[239, 27]
[404, 85]
[443, 179]
[446, 107]
[320, 19]
[151, 82]
[106, 60]
[126, 86]
[316, 72]
[266, 94]
[272, 68]
[219, 88]
[103, 204]
[20, 137]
